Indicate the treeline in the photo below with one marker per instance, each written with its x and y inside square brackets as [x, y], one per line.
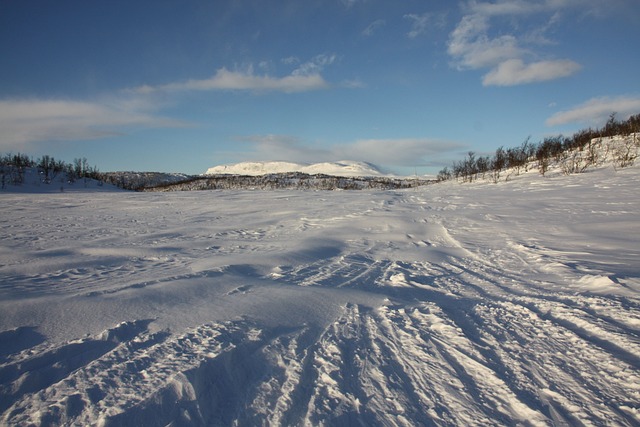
[13, 168]
[288, 180]
[573, 154]
[138, 181]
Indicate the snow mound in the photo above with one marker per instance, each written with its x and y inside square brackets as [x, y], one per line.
[340, 168]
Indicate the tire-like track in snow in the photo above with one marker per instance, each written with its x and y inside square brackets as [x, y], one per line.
[409, 308]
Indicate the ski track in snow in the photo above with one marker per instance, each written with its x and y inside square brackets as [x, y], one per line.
[449, 305]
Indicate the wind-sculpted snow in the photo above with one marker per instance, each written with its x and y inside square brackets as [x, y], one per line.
[448, 305]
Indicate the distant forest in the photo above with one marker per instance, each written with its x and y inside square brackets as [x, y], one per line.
[573, 154]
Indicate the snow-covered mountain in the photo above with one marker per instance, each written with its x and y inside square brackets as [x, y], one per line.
[340, 168]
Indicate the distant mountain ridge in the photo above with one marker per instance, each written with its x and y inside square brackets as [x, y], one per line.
[340, 168]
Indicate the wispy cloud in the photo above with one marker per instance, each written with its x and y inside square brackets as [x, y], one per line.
[350, 3]
[515, 72]
[353, 84]
[23, 122]
[471, 48]
[282, 148]
[374, 27]
[224, 79]
[388, 152]
[420, 24]
[315, 65]
[596, 111]
[305, 77]
[395, 152]
[290, 60]
[513, 58]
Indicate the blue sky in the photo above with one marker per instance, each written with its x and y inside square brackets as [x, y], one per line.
[180, 86]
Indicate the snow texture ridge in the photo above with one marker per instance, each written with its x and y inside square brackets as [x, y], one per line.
[515, 303]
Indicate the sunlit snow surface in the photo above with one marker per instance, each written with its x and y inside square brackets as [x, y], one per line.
[483, 304]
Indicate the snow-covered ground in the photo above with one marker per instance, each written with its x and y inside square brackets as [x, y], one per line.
[515, 303]
[341, 168]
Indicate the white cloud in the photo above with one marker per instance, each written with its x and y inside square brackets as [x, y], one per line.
[538, 36]
[514, 8]
[373, 27]
[27, 121]
[472, 45]
[421, 23]
[395, 152]
[511, 7]
[353, 84]
[283, 148]
[418, 24]
[390, 152]
[472, 48]
[315, 66]
[305, 77]
[350, 3]
[515, 72]
[596, 111]
[290, 60]
[224, 79]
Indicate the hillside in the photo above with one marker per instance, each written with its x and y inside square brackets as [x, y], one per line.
[515, 303]
[32, 181]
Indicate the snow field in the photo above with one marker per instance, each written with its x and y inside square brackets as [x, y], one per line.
[449, 305]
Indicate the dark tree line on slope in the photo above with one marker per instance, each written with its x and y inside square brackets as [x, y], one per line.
[14, 166]
[288, 180]
[574, 154]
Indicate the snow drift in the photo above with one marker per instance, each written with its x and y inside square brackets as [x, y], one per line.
[449, 305]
